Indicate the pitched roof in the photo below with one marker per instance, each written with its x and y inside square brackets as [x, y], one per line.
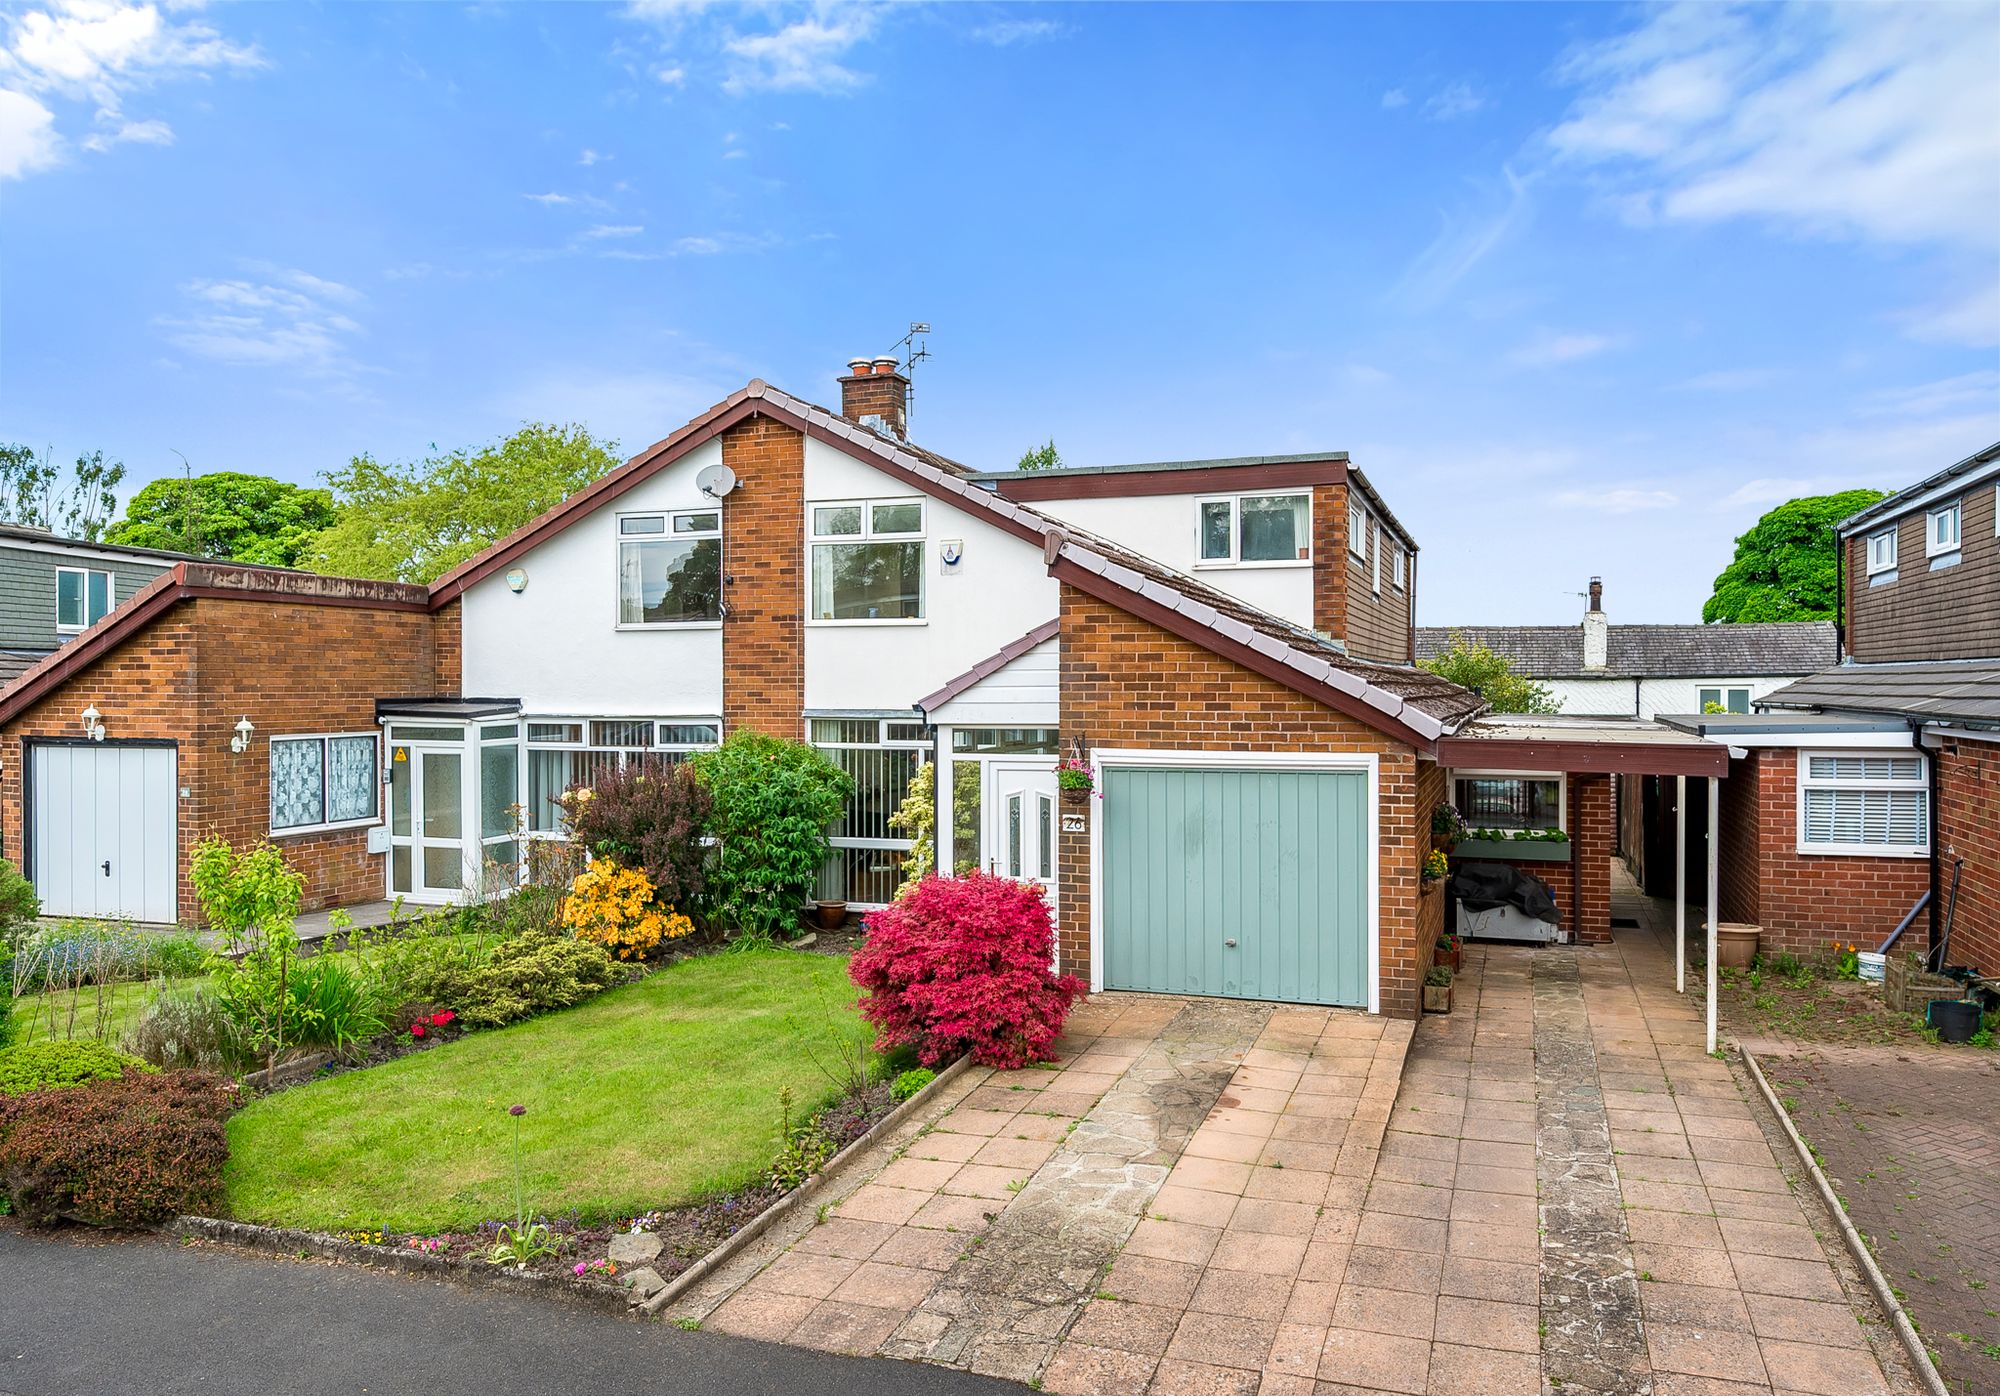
[1966, 690]
[1650, 651]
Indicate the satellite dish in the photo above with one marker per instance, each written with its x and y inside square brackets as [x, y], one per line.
[715, 480]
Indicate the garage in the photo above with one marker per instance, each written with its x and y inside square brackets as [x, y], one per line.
[103, 837]
[1237, 879]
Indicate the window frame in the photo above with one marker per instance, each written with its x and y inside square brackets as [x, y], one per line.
[1955, 511]
[325, 739]
[1806, 781]
[1235, 559]
[868, 534]
[621, 540]
[1562, 792]
[110, 597]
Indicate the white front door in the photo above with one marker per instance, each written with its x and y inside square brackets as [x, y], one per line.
[426, 822]
[103, 831]
[1022, 821]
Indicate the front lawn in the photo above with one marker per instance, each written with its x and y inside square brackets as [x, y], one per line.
[645, 1097]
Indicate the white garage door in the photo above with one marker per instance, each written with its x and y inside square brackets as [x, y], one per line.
[102, 830]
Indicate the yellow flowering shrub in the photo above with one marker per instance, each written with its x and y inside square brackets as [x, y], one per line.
[614, 907]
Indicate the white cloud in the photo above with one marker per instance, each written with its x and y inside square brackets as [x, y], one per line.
[1550, 348]
[285, 320]
[1455, 100]
[1873, 121]
[1618, 501]
[97, 52]
[1395, 97]
[28, 139]
[803, 56]
[1001, 33]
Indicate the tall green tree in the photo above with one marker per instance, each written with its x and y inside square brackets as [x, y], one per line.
[415, 521]
[34, 492]
[1041, 458]
[226, 514]
[1486, 672]
[1784, 566]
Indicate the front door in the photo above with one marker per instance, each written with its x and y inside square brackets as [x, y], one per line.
[426, 822]
[1022, 822]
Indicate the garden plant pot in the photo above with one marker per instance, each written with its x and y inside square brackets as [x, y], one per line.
[1736, 944]
[830, 915]
[1437, 998]
[1954, 1020]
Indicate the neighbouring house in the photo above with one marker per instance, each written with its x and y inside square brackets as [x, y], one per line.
[1855, 795]
[1645, 671]
[1228, 643]
[53, 588]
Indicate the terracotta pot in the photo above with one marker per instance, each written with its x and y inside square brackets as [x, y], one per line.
[830, 915]
[1735, 944]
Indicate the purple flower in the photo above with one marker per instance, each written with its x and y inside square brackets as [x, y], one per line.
[517, 1110]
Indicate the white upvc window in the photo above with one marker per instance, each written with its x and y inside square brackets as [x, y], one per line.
[1357, 529]
[1511, 800]
[669, 569]
[1868, 803]
[1255, 530]
[325, 781]
[83, 598]
[1882, 552]
[1941, 529]
[1729, 700]
[867, 561]
[565, 752]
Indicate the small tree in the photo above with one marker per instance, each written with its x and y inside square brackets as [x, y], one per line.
[773, 800]
[1487, 673]
[1041, 458]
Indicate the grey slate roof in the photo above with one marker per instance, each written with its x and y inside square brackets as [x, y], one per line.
[1966, 690]
[1651, 651]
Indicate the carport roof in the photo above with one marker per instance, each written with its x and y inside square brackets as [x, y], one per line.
[1612, 745]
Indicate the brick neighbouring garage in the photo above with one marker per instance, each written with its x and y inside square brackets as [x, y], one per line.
[1803, 901]
[1129, 683]
[1968, 784]
[291, 663]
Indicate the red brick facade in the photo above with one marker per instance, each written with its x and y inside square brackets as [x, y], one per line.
[1128, 683]
[764, 588]
[291, 667]
[1803, 901]
[1968, 790]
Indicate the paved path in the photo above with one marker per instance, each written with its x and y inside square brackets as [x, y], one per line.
[82, 1315]
[1557, 1190]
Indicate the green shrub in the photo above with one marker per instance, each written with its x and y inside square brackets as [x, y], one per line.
[186, 1029]
[43, 1066]
[773, 801]
[124, 1152]
[910, 1082]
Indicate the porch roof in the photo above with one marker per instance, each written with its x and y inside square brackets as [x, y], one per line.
[1613, 745]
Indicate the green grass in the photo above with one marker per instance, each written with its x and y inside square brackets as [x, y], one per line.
[647, 1096]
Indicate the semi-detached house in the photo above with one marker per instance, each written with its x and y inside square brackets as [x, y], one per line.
[1228, 642]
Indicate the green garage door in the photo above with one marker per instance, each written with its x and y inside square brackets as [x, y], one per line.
[1241, 883]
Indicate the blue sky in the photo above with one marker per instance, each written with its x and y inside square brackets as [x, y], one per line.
[1583, 289]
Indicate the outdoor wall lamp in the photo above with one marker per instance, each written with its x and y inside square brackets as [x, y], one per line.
[240, 743]
[93, 723]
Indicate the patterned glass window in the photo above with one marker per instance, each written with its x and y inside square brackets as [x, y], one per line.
[318, 781]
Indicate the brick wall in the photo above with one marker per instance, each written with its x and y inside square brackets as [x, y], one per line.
[1127, 683]
[291, 668]
[1803, 901]
[1968, 783]
[763, 633]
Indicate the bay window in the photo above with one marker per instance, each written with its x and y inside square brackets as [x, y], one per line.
[324, 782]
[1864, 803]
[1252, 528]
[867, 560]
[670, 568]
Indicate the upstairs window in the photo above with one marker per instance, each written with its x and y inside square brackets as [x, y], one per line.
[83, 598]
[1267, 528]
[1941, 530]
[670, 568]
[867, 560]
[1865, 803]
[1881, 552]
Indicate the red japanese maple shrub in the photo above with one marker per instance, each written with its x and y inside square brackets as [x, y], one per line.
[965, 964]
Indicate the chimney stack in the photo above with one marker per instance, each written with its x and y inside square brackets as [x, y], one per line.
[876, 394]
[1596, 629]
